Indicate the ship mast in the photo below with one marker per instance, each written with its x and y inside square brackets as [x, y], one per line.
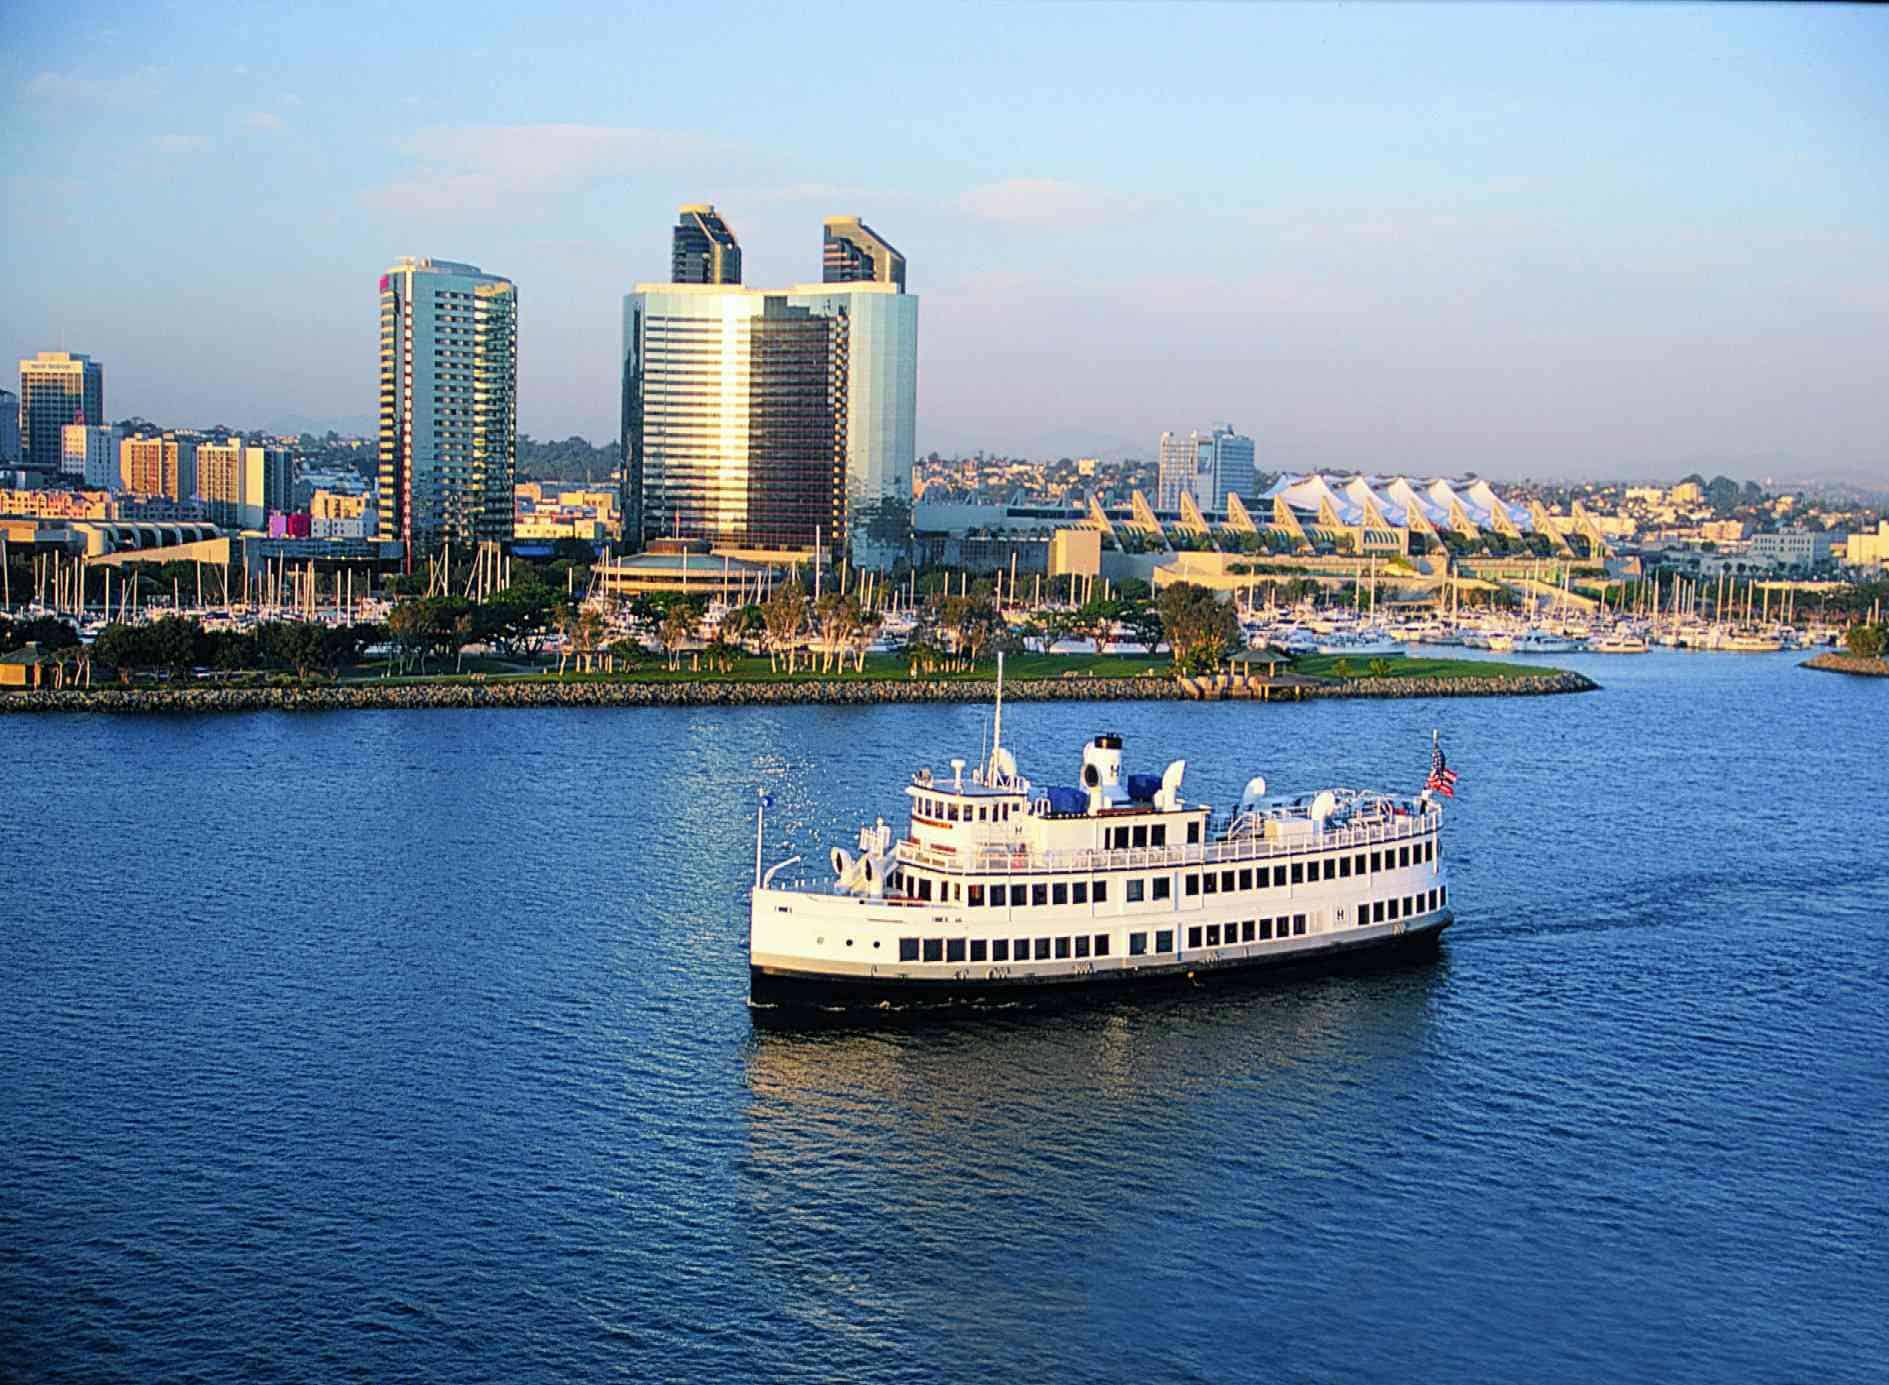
[997, 724]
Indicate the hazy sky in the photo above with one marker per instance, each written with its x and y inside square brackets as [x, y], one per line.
[1525, 240]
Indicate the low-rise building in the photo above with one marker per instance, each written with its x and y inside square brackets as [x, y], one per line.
[55, 504]
[1789, 547]
[340, 515]
[1869, 550]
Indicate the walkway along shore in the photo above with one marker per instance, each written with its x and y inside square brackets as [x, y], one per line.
[1849, 663]
[369, 697]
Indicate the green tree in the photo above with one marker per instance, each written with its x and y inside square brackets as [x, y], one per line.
[1865, 641]
[1199, 627]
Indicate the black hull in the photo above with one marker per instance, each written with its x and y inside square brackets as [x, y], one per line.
[800, 997]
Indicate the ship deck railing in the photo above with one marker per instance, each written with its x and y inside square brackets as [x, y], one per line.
[1004, 860]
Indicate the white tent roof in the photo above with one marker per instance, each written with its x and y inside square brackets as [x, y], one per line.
[1396, 496]
[1306, 493]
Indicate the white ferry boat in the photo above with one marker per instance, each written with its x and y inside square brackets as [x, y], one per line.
[996, 886]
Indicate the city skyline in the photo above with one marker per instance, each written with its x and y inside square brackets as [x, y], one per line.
[1567, 242]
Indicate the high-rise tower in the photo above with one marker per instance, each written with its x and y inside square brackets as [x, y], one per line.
[1207, 466]
[852, 252]
[704, 249]
[56, 388]
[774, 419]
[448, 403]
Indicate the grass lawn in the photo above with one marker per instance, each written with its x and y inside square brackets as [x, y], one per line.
[754, 669]
[1320, 666]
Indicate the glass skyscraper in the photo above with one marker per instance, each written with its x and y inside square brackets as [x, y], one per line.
[772, 419]
[852, 252]
[703, 248]
[734, 417]
[448, 404]
[731, 405]
[56, 388]
[1205, 465]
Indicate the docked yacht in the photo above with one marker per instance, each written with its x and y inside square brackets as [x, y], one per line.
[995, 886]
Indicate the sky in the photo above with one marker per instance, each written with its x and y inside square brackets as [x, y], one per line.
[1527, 241]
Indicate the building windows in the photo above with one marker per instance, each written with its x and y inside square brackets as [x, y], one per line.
[1298, 925]
[1246, 879]
[1331, 868]
[1193, 833]
[1344, 868]
[1278, 877]
[1135, 891]
[1079, 892]
[1158, 834]
[908, 949]
[1101, 892]
[1265, 930]
[980, 950]
[954, 950]
[1213, 935]
[1062, 949]
[1164, 940]
[1023, 949]
[1141, 836]
[1163, 887]
[1082, 944]
[1059, 893]
[977, 896]
[1000, 949]
[1298, 872]
[1212, 883]
[1246, 931]
[1039, 895]
[1358, 865]
[1193, 936]
[1137, 944]
[1042, 949]
[1101, 944]
[1377, 862]
[934, 949]
[1190, 884]
[1403, 856]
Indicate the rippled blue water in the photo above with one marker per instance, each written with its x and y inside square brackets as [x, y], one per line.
[414, 1046]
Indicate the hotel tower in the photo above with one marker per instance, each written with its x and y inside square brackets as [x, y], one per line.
[448, 404]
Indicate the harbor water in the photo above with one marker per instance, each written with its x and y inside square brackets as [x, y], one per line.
[414, 1046]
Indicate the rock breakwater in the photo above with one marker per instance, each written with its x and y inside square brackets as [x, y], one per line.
[708, 693]
[1844, 663]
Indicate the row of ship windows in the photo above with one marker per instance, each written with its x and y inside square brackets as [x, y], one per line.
[1077, 946]
[1228, 881]
[945, 810]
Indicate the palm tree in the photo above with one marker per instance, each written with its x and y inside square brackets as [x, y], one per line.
[865, 626]
[678, 628]
[785, 616]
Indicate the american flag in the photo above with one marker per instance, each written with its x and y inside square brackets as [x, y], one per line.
[1442, 777]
